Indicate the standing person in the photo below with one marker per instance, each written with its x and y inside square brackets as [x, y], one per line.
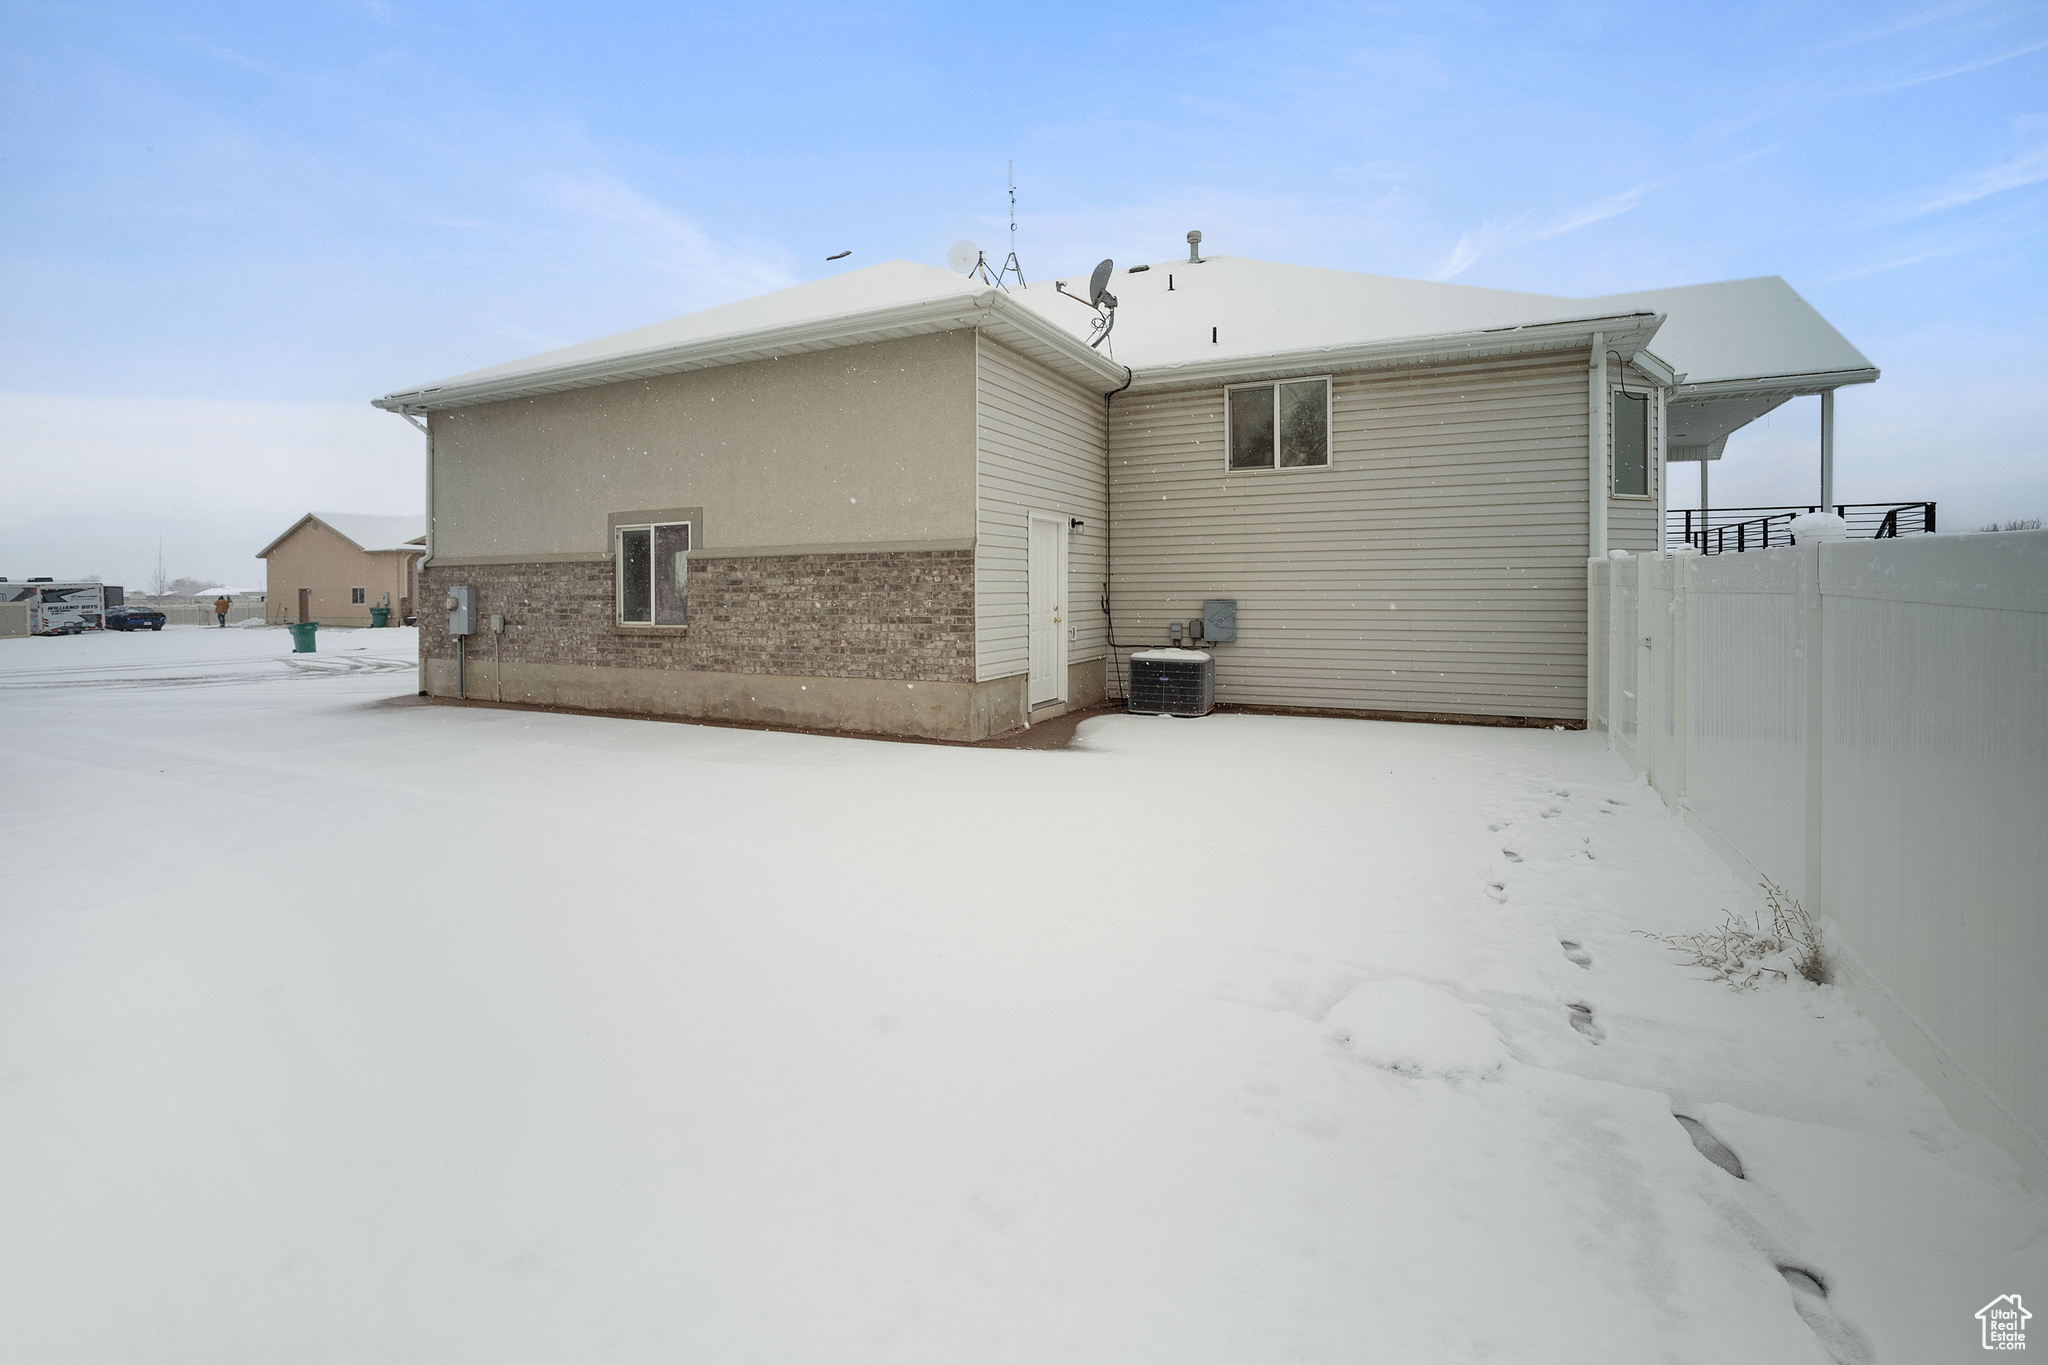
[220, 609]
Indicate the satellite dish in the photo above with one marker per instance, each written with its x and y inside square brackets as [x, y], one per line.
[1098, 283]
[963, 256]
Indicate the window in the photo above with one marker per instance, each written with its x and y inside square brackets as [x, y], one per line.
[1631, 444]
[356, 595]
[1279, 426]
[653, 574]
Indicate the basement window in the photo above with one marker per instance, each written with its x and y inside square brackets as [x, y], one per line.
[356, 596]
[654, 574]
[1278, 426]
[1631, 444]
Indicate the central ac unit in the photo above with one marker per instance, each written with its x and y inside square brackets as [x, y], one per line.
[1172, 682]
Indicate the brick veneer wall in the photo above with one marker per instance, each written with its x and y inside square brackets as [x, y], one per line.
[898, 614]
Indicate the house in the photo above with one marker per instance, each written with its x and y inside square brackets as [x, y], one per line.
[332, 567]
[899, 500]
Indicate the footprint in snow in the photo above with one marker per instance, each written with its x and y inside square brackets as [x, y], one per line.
[1552, 813]
[1574, 953]
[1709, 1146]
[1810, 1297]
[1511, 855]
[1582, 1020]
[1498, 890]
[1498, 827]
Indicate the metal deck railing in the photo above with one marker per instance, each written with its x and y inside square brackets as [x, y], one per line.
[1731, 530]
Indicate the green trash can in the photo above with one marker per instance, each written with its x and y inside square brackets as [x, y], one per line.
[379, 616]
[302, 636]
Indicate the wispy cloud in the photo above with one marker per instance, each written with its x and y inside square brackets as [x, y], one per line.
[531, 338]
[1519, 230]
[2030, 168]
[374, 10]
[229, 55]
[1474, 243]
[1907, 24]
[671, 242]
[1981, 64]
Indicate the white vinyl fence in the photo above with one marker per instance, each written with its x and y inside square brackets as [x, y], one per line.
[201, 613]
[1865, 723]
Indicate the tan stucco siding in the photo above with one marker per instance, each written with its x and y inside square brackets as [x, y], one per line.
[1041, 444]
[1437, 564]
[862, 447]
[318, 558]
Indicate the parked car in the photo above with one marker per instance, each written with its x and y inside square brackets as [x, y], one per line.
[134, 618]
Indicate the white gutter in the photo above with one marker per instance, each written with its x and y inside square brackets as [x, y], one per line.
[1626, 332]
[1817, 381]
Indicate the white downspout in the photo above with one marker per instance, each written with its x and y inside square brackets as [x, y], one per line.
[1596, 450]
[419, 605]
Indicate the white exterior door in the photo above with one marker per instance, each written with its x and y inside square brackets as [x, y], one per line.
[1048, 607]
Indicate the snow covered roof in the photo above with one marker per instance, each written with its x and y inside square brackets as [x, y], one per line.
[368, 530]
[1238, 318]
[1225, 317]
[1743, 331]
[878, 303]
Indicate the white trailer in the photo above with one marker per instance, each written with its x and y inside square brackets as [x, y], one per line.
[59, 608]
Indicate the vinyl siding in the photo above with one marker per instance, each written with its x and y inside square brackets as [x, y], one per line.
[1437, 565]
[1632, 522]
[1040, 448]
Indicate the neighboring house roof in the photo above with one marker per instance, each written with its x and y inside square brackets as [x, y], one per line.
[370, 532]
[1226, 317]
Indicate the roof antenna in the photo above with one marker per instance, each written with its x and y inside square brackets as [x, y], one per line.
[971, 261]
[1012, 265]
[1099, 298]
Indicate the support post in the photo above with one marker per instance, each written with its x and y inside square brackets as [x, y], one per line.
[1827, 450]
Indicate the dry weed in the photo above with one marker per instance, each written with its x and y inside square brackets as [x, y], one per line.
[1742, 952]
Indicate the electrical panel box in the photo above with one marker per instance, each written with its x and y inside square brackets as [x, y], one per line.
[462, 611]
[1219, 621]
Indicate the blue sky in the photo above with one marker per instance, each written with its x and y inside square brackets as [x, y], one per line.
[226, 227]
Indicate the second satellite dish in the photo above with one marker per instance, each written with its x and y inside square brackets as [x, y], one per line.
[963, 256]
[1098, 283]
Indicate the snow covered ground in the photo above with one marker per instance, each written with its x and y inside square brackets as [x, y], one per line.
[336, 1028]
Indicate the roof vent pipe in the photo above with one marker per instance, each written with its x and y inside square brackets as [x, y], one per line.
[1195, 248]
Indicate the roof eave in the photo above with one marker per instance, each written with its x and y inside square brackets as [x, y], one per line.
[1625, 333]
[989, 309]
[1794, 385]
[289, 532]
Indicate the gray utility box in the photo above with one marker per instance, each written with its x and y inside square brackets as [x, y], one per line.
[1171, 682]
[462, 611]
[1219, 621]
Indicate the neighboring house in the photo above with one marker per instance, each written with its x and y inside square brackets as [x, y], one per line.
[332, 567]
[900, 501]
